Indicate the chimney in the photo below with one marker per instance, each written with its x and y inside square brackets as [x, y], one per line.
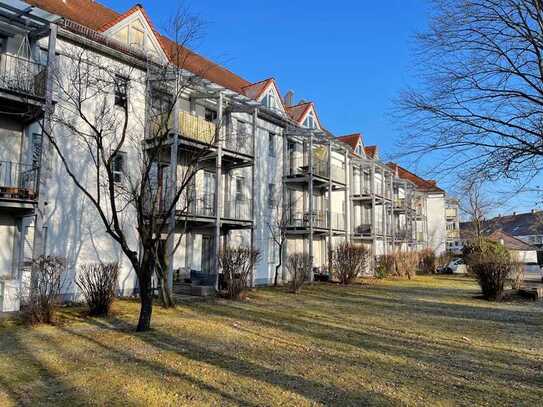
[514, 214]
[533, 210]
[289, 98]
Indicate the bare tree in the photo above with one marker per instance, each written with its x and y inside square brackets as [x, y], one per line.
[237, 264]
[119, 158]
[481, 102]
[278, 223]
[476, 206]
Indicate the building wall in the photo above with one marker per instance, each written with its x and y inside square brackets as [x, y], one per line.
[437, 226]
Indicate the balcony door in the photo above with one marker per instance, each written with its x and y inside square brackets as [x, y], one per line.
[207, 254]
[208, 197]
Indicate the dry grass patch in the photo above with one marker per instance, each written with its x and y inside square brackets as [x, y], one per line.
[421, 342]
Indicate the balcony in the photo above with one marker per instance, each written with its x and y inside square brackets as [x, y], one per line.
[402, 234]
[18, 181]
[363, 229]
[196, 128]
[22, 76]
[399, 203]
[238, 209]
[453, 234]
[197, 205]
[338, 221]
[302, 219]
[239, 143]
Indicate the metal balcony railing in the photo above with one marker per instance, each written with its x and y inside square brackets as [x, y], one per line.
[239, 143]
[299, 166]
[363, 229]
[21, 75]
[338, 173]
[399, 202]
[402, 234]
[338, 221]
[302, 219]
[453, 234]
[238, 209]
[18, 180]
[197, 204]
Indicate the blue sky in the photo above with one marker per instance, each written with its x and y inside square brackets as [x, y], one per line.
[350, 57]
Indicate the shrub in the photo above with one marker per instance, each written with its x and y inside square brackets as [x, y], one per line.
[349, 262]
[517, 272]
[427, 263]
[43, 298]
[298, 265]
[97, 282]
[490, 263]
[237, 265]
[385, 266]
[406, 264]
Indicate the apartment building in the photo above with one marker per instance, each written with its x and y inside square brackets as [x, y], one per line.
[273, 157]
[452, 217]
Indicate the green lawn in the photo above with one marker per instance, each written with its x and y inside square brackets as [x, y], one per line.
[420, 342]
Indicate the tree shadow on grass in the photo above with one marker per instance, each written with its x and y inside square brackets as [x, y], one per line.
[455, 356]
[311, 390]
[29, 381]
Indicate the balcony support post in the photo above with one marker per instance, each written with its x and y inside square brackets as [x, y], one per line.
[329, 215]
[218, 187]
[383, 212]
[310, 204]
[286, 216]
[391, 217]
[347, 208]
[373, 223]
[253, 191]
[172, 188]
[44, 169]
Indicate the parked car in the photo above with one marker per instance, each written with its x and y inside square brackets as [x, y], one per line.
[455, 266]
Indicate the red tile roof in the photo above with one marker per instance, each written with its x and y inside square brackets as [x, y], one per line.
[351, 139]
[98, 17]
[421, 183]
[255, 90]
[510, 242]
[297, 112]
[371, 151]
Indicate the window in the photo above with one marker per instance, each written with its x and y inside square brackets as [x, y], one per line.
[239, 189]
[270, 100]
[271, 195]
[121, 88]
[118, 166]
[210, 115]
[271, 144]
[137, 34]
[310, 121]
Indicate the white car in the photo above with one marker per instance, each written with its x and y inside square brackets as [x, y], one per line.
[455, 266]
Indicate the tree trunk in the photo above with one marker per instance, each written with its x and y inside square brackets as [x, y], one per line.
[146, 297]
[278, 266]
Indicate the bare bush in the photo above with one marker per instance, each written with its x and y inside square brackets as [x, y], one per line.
[517, 272]
[98, 282]
[385, 266]
[43, 298]
[349, 262]
[298, 265]
[406, 264]
[490, 263]
[427, 264]
[237, 265]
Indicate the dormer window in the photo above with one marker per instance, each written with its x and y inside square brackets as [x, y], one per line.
[270, 100]
[358, 150]
[133, 34]
[310, 121]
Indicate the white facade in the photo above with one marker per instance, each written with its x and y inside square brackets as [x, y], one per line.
[331, 191]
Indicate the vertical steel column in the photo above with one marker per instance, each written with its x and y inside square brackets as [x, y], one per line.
[310, 204]
[329, 215]
[218, 190]
[39, 244]
[373, 214]
[253, 194]
[284, 205]
[171, 195]
[383, 211]
[347, 207]
[391, 217]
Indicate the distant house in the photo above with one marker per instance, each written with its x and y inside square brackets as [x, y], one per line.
[525, 253]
